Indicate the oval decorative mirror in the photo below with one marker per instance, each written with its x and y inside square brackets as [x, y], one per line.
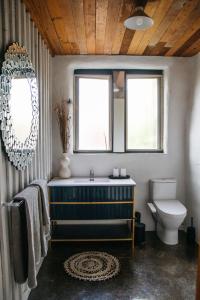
[19, 107]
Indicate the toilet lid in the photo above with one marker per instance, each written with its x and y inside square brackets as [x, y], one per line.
[171, 207]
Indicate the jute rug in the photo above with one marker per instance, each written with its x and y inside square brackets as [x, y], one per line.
[92, 266]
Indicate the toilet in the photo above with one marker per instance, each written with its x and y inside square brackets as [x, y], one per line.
[168, 212]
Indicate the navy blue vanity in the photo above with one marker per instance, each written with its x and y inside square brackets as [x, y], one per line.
[99, 210]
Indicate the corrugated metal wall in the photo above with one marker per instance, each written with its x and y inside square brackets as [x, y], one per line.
[16, 25]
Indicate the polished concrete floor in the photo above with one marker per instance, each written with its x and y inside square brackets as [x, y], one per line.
[157, 271]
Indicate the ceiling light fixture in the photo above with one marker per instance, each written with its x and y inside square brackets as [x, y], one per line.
[139, 20]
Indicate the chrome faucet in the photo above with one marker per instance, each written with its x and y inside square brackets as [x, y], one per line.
[91, 175]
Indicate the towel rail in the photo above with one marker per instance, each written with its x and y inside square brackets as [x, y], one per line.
[12, 203]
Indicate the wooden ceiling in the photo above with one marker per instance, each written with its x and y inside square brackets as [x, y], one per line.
[96, 27]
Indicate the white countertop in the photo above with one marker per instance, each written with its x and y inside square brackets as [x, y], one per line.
[85, 181]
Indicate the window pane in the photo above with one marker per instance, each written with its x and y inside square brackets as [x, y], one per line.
[142, 113]
[94, 120]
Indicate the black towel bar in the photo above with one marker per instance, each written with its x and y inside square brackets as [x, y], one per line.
[15, 202]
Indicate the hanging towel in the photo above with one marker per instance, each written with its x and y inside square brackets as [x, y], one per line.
[44, 213]
[44, 237]
[19, 244]
[31, 195]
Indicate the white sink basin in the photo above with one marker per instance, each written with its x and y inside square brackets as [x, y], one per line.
[97, 179]
[85, 181]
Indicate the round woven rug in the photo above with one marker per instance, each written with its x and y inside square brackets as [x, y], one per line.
[92, 266]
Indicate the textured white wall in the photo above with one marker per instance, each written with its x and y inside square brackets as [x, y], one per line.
[16, 26]
[193, 144]
[141, 167]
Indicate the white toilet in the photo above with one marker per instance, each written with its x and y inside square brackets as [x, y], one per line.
[168, 211]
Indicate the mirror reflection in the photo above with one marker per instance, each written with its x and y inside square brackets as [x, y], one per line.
[21, 108]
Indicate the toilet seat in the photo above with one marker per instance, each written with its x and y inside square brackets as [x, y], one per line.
[170, 207]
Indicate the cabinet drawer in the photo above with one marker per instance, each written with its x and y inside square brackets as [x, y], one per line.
[91, 194]
[91, 212]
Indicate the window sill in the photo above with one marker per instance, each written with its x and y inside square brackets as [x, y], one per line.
[125, 152]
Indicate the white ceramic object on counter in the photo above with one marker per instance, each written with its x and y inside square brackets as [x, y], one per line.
[123, 172]
[64, 168]
[115, 172]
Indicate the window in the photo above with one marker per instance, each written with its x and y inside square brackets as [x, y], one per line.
[118, 111]
[93, 116]
[143, 113]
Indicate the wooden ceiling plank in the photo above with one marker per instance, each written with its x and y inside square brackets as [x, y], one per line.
[58, 19]
[169, 18]
[78, 15]
[126, 10]
[131, 36]
[138, 36]
[53, 40]
[113, 12]
[159, 49]
[34, 16]
[47, 25]
[90, 24]
[147, 51]
[158, 16]
[60, 27]
[101, 15]
[65, 7]
[63, 22]
[164, 50]
[96, 27]
[54, 9]
[51, 27]
[183, 27]
[179, 21]
[184, 38]
[193, 49]
[195, 37]
[128, 37]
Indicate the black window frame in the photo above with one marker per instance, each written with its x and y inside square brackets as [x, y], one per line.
[86, 72]
[158, 73]
[148, 74]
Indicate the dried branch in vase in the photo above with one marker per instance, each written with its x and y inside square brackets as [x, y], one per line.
[63, 118]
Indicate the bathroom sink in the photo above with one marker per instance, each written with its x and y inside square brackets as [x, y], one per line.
[87, 180]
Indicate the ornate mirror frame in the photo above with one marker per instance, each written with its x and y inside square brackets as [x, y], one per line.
[17, 64]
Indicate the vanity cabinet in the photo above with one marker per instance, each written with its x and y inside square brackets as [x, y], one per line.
[82, 210]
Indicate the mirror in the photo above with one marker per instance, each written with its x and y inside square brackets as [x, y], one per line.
[19, 108]
[119, 120]
[20, 100]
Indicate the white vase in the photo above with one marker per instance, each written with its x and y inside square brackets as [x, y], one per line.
[64, 168]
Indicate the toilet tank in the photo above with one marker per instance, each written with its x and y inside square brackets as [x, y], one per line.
[162, 189]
